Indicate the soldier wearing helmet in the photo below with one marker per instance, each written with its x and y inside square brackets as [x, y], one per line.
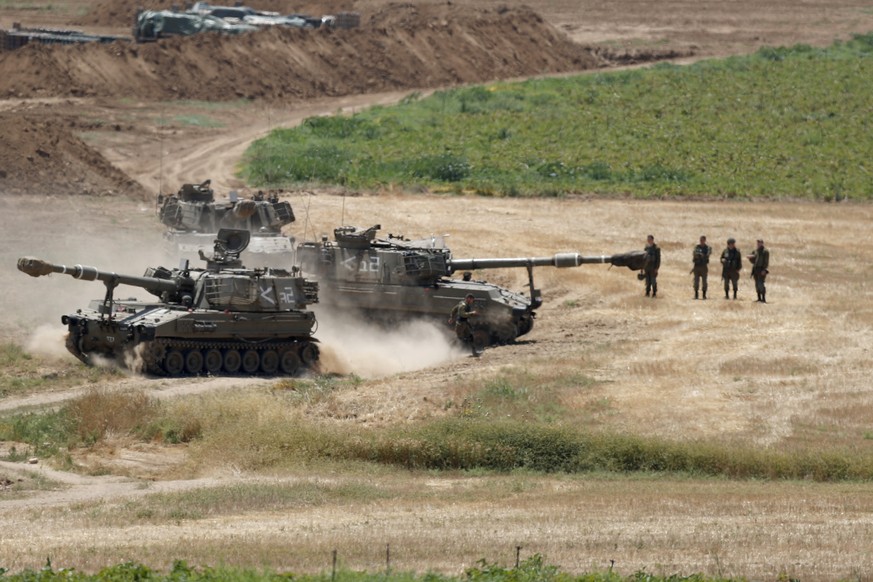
[653, 263]
[760, 260]
[700, 268]
[731, 264]
[460, 318]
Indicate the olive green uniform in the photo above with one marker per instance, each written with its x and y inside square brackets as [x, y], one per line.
[760, 269]
[731, 265]
[650, 270]
[461, 314]
[700, 259]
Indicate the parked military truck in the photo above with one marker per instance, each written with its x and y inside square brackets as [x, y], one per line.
[221, 319]
[397, 279]
[193, 216]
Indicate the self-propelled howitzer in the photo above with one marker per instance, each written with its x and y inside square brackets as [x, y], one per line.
[397, 279]
[194, 215]
[221, 319]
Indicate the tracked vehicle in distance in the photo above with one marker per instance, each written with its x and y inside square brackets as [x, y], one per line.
[396, 279]
[222, 319]
[194, 215]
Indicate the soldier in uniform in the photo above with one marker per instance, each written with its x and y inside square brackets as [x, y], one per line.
[461, 313]
[653, 263]
[700, 259]
[760, 260]
[731, 264]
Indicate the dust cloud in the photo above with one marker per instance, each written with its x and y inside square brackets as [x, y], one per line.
[49, 341]
[122, 237]
[352, 346]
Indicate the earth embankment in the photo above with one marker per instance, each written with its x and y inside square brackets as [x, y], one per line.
[401, 47]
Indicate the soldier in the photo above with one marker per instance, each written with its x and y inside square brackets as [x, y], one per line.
[760, 260]
[653, 263]
[731, 264]
[460, 319]
[700, 259]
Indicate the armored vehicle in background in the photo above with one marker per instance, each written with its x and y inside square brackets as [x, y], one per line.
[397, 279]
[221, 319]
[193, 216]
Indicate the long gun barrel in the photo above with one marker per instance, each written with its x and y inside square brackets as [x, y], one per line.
[37, 268]
[633, 260]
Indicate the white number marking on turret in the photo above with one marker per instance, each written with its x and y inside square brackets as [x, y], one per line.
[369, 264]
[288, 296]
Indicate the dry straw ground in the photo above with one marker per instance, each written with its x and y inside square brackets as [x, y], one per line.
[790, 373]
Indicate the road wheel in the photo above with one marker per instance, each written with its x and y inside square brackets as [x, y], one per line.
[212, 361]
[250, 362]
[269, 362]
[309, 354]
[174, 363]
[193, 362]
[289, 363]
[232, 361]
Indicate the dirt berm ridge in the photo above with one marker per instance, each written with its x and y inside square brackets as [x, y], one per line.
[40, 153]
[402, 46]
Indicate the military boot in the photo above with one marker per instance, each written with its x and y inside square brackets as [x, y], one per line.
[695, 294]
[764, 297]
[726, 296]
[704, 293]
[735, 295]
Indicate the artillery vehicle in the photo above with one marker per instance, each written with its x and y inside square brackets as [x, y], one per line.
[221, 319]
[395, 279]
[193, 216]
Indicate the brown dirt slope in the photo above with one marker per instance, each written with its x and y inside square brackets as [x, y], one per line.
[40, 153]
[412, 46]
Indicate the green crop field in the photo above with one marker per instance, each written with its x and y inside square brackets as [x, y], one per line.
[784, 122]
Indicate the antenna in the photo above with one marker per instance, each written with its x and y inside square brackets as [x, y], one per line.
[343, 215]
[161, 156]
[306, 222]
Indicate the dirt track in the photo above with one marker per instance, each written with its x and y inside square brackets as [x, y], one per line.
[586, 310]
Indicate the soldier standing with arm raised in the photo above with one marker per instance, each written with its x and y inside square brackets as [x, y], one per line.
[460, 318]
[760, 260]
[653, 263]
[731, 264]
[700, 259]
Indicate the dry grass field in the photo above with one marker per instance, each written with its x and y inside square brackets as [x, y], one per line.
[789, 375]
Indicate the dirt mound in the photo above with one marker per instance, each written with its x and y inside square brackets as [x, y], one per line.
[401, 46]
[40, 150]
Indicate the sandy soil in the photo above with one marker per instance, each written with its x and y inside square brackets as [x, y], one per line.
[732, 370]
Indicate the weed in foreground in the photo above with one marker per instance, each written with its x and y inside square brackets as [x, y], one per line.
[534, 569]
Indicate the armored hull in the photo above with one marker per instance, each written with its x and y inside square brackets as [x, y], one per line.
[395, 279]
[222, 319]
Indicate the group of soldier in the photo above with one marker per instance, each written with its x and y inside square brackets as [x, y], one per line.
[731, 265]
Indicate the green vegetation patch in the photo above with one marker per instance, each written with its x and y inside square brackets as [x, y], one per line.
[21, 372]
[254, 433]
[231, 500]
[89, 419]
[785, 122]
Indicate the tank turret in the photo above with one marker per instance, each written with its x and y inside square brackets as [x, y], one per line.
[221, 319]
[193, 216]
[399, 279]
